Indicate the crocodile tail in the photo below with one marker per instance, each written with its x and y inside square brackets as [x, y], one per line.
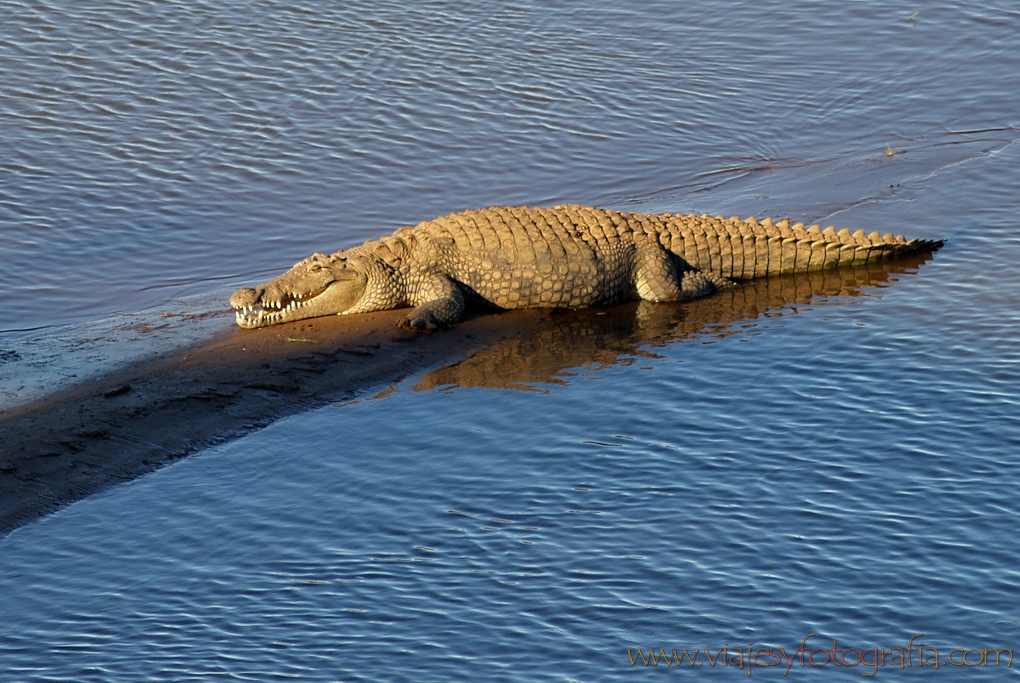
[744, 249]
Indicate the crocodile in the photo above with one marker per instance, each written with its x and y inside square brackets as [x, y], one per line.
[566, 256]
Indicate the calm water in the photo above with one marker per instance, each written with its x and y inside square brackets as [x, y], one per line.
[846, 466]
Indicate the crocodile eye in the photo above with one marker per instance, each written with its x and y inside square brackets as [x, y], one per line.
[316, 268]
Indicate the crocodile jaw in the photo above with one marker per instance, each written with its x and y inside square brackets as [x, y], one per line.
[254, 309]
[311, 289]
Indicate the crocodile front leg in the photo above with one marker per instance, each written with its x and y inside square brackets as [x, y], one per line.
[438, 302]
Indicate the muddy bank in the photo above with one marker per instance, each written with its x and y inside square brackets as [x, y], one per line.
[65, 446]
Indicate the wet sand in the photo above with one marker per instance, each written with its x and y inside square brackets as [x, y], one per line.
[68, 445]
[65, 446]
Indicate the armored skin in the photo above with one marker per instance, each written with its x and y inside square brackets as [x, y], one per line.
[561, 257]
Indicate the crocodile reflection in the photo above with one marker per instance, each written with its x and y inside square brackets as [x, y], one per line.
[595, 339]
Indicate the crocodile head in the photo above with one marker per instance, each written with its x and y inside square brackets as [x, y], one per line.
[319, 285]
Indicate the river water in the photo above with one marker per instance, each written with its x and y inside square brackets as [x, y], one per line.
[831, 457]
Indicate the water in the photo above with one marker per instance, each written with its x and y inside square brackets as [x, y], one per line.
[848, 470]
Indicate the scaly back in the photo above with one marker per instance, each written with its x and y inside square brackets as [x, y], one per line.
[728, 247]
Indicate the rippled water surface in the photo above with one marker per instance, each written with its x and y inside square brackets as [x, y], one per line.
[840, 462]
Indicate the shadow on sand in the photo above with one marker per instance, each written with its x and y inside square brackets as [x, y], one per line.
[67, 445]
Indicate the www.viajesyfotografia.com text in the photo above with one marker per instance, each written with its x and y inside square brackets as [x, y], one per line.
[745, 658]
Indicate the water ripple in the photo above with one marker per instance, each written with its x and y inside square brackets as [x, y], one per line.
[841, 465]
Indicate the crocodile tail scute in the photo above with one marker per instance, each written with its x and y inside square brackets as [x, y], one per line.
[745, 249]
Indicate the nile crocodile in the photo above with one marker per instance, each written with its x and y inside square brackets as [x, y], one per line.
[562, 257]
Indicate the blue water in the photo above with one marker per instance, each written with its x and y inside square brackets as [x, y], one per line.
[476, 534]
[846, 468]
[151, 150]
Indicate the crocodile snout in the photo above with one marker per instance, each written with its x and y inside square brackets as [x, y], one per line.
[246, 296]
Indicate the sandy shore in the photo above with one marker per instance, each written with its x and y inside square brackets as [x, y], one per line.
[65, 446]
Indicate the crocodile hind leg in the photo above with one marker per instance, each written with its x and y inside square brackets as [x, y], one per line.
[695, 283]
[659, 275]
[438, 302]
[656, 276]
